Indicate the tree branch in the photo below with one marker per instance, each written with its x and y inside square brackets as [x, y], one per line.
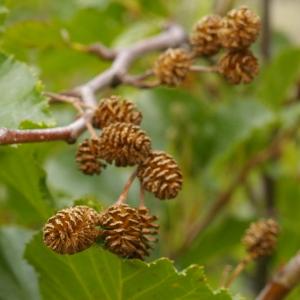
[173, 36]
[283, 282]
[266, 30]
[97, 49]
[273, 150]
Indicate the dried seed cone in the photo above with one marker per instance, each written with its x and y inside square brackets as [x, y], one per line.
[172, 66]
[124, 144]
[116, 109]
[87, 157]
[71, 230]
[261, 237]
[124, 232]
[160, 175]
[239, 66]
[148, 221]
[240, 28]
[204, 38]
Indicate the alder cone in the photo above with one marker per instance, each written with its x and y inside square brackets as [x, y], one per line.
[87, 157]
[239, 66]
[172, 66]
[71, 230]
[240, 28]
[261, 237]
[124, 144]
[116, 109]
[124, 231]
[148, 221]
[204, 38]
[160, 175]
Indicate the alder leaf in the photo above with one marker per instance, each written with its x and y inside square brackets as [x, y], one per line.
[98, 274]
[279, 76]
[21, 98]
[28, 196]
[18, 280]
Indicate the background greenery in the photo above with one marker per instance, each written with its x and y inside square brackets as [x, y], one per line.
[210, 127]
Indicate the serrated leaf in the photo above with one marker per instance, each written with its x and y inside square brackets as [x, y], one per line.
[17, 278]
[21, 172]
[21, 98]
[98, 274]
[279, 76]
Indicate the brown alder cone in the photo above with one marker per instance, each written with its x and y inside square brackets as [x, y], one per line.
[87, 157]
[116, 109]
[124, 144]
[172, 66]
[160, 175]
[204, 38]
[149, 228]
[71, 230]
[240, 28]
[125, 232]
[239, 66]
[261, 237]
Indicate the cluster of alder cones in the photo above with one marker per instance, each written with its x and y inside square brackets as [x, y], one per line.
[235, 33]
[123, 143]
[126, 231]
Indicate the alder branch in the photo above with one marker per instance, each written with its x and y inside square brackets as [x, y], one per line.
[96, 49]
[173, 36]
[273, 150]
[283, 282]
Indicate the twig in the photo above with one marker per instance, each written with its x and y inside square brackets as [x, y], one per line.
[237, 271]
[97, 49]
[65, 133]
[266, 30]
[173, 36]
[77, 105]
[60, 98]
[136, 82]
[204, 69]
[142, 196]
[123, 196]
[283, 282]
[225, 274]
[224, 197]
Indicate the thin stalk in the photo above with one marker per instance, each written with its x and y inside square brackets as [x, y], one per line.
[203, 69]
[123, 196]
[237, 271]
[142, 196]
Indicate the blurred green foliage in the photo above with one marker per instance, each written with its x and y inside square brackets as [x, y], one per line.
[210, 127]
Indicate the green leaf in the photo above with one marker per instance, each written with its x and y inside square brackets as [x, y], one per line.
[204, 248]
[279, 76]
[21, 98]
[29, 34]
[21, 172]
[3, 14]
[17, 278]
[233, 123]
[138, 31]
[98, 274]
